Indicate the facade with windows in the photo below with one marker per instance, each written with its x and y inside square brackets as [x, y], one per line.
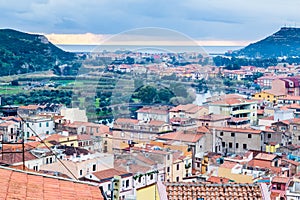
[113, 179]
[239, 140]
[235, 107]
[37, 125]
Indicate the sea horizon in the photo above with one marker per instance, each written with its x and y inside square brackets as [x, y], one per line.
[148, 49]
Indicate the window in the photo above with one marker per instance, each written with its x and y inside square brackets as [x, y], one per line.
[27, 124]
[244, 146]
[109, 186]
[80, 172]
[232, 134]
[123, 183]
[294, 127]
[249, 136]
[236, 145]
[177, 167]
[50, 159]
[151, 176]
[127, 183]
[177, 179]
[35, 168]
[223, 144]
[168, 169]
[259, 95]
[298, 137]
[221, 133]
[47, 132]
[28, 134]
[168, 157]
[40, 124]
[269, 135]
[47, 124]
[230, 145]
[94, 167]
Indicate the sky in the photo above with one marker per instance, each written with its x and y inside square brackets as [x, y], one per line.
[227, 22]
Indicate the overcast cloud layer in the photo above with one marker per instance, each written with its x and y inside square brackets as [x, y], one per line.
[199, 19]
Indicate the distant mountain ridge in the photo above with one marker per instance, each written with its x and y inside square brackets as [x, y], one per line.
[285, 42]
[22, 53]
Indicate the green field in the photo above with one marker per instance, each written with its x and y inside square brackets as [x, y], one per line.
[10, 90]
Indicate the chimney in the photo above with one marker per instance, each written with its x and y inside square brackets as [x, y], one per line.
[127, 168]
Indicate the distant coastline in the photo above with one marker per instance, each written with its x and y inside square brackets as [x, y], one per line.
[212, 50]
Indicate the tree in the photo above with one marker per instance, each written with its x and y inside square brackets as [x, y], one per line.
[164, 95]
[147, 93]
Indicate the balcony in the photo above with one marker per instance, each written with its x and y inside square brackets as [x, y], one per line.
[236, 112]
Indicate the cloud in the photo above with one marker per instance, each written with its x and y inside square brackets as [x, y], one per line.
[200, 19]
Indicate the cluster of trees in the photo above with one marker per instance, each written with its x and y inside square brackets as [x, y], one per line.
[235, 63]
[39, 97]
[175, 94]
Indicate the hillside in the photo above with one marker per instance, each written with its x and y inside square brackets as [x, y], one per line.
[22, 53]
[285, 42]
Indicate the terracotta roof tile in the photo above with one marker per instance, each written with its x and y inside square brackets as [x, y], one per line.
[279, 179]
[18, 184]
[219, 180]
[265, 156]
[154, 110]
[181, 191]
[109, 173]
[237, 130]
[181, 136]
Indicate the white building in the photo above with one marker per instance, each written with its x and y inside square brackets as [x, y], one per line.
[106, 178]
[74, 114]
[40, 126]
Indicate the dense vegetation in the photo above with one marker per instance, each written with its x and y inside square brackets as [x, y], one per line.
[285, 42]
[23, 53]
[39, 97]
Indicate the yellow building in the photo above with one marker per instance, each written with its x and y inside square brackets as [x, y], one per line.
[271, 148]
[71, 141]
[269, 95]
[148, 192]
[231, 171]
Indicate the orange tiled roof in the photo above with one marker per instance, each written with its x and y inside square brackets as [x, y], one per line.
[54, 137]
[202, 129]
[126, 121]
[219, 180]
[288, 97]
[228, 164]
[237, 130]
[156, 123]
[16, 184]
[188, 108]
[29, 107]
[279, 179]
[155, 110]
[265, 156]
[181, 136]
[180, 191]
[232, 101]
[84, 137]
[109, 173]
